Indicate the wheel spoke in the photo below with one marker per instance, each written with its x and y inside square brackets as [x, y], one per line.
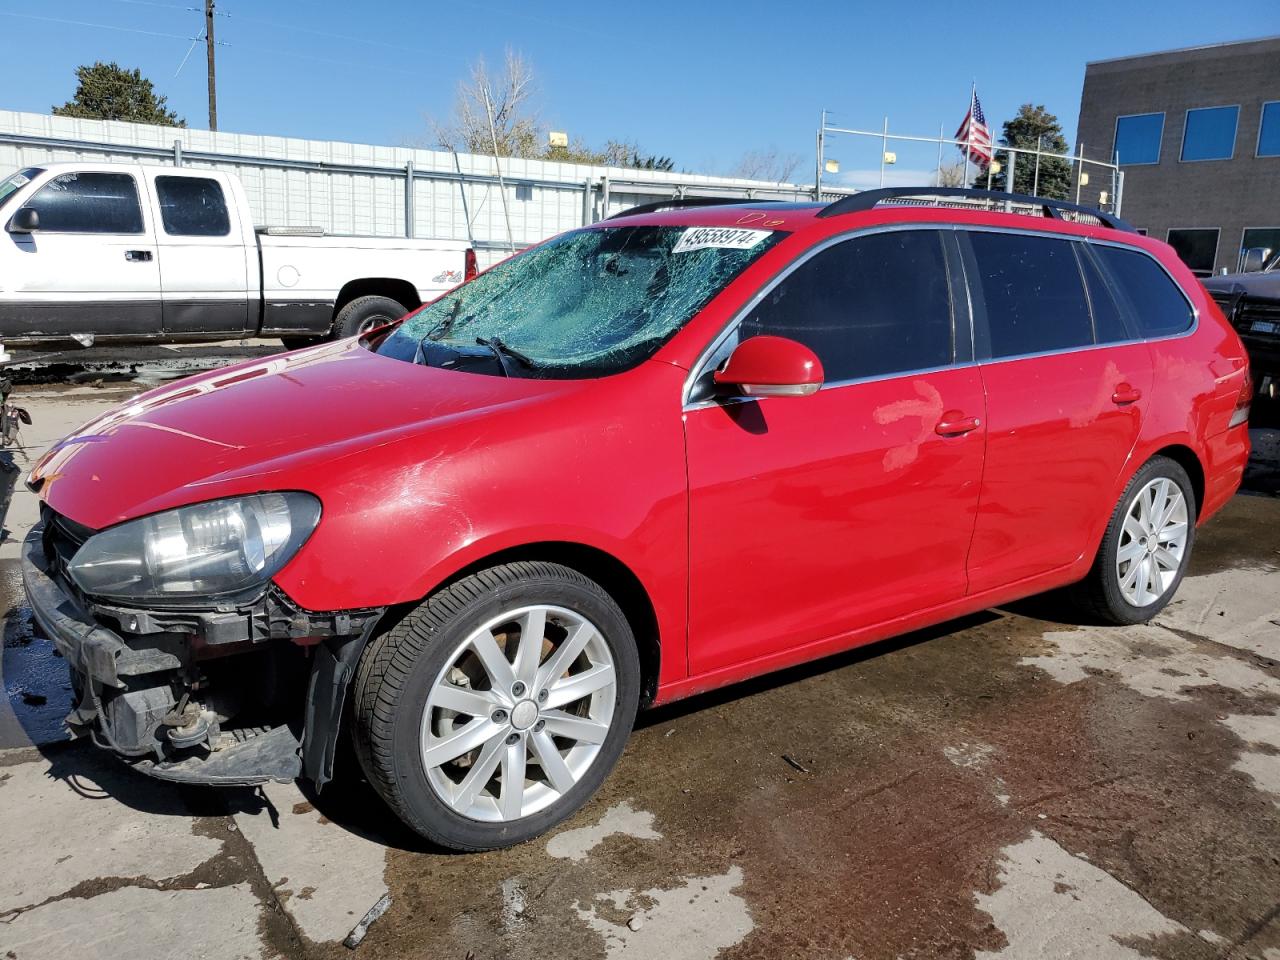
[533, 628]
[579, 685]
[459, 742]
[474, 703]
[558, 773]
[478, 775]
[494, 660]
[1133, 527]
[1167, 560]
[1130, 551]
[562, 657]
[1160, 505]
[513, 764]
[1155, 586]
[561, 724]
[1131, 575]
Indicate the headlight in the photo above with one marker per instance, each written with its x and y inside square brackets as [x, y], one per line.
[206, 549]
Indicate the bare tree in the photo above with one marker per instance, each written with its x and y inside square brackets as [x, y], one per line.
[771, 164]
[951, 174]
[492, 114]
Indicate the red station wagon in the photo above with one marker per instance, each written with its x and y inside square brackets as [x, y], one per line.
[682, 447]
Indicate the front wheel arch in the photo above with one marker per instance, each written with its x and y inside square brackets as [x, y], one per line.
[617, 579]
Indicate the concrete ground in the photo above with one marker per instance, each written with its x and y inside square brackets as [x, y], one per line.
[1010, 785]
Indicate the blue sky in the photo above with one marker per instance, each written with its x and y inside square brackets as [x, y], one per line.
[701, 80]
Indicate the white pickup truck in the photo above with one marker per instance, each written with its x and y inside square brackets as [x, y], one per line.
[128, 252]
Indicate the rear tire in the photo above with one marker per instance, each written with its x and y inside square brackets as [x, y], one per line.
[1146, 547]
[363, 314]
[555, 743]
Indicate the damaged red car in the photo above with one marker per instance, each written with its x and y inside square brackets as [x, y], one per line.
[682, 447]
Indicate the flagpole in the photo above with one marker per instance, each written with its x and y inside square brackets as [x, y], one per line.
[968, 135]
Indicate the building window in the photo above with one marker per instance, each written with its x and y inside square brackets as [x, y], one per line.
[1269, 130]
[1197, 247]
[1138, 138]
[1210, 133]
[1268, 238]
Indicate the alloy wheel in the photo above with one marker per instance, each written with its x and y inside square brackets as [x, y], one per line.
[519, 713]
[1153, 542]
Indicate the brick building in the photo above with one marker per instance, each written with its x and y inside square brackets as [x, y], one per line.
[1197, 132]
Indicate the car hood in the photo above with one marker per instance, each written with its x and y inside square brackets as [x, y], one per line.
[1264, 285]
[255, 425]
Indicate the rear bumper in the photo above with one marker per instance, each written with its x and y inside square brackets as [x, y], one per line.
[146, 697]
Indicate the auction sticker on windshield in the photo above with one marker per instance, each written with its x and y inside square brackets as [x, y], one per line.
[722, 238]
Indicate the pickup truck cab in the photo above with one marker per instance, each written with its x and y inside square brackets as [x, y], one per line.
[126, 251]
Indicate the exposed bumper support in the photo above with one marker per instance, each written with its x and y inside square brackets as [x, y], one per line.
[134, 688]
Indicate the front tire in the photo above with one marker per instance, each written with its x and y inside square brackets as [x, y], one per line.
[496, 708]
[1146, 547]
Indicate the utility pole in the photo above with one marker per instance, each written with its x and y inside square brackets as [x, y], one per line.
[208, 42]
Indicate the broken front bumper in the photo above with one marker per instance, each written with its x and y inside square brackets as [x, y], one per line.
[142, 689]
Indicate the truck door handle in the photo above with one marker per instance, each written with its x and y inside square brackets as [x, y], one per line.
[137, 256]
[1126, 394]
[954, 423]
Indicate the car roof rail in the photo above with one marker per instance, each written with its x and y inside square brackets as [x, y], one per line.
[857, 202]
[676, 202]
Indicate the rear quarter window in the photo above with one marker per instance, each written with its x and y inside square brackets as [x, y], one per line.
[1158, 305]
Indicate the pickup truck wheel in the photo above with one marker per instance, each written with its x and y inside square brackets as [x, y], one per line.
[1146, 547]
[365, 313]
[497, 707]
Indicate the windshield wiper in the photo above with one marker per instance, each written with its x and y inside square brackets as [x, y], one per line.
[501, 352]
[441, 330]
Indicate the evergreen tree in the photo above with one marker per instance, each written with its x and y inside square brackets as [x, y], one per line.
[107, 91]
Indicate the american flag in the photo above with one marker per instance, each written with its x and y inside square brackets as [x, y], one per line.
[974, 133]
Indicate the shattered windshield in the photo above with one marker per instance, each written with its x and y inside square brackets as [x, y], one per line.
[587, 303]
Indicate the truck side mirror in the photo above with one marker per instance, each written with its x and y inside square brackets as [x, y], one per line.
[26, 220]
[1253, 259]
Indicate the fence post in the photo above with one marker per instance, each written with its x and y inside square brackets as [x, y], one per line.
[177, 153]
[1008, 179]
[1079, 168]
[604, 198]
[884, 148]
[586, 202]
[938, 175]
[1119, 188]
[409, 213]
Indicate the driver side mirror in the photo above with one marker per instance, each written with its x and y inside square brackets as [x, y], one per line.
[26, 220]
[767, 366]
[1254, 259]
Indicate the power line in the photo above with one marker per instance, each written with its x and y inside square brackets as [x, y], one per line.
[95, 26]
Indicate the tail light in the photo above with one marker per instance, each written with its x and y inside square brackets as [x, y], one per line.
[1243, 401]
[471, 268]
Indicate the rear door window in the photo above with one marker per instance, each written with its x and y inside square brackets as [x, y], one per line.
[89, 203]
[1032, 293]
[870, 306]
[192, 207]
[1158, 305]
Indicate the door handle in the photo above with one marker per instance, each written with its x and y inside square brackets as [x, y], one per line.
[137, 256]
[954, 424]
[1125, 394]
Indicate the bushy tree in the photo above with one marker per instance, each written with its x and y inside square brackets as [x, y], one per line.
[1033, 125]
[108, 91]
